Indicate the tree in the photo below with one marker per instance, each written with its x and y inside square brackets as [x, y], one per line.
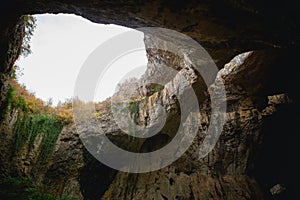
[49, 102]
[29, 26]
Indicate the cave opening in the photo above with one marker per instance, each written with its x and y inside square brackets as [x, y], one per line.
[60, 45]
[240, 27]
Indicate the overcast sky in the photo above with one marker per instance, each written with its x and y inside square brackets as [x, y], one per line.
[60, 45]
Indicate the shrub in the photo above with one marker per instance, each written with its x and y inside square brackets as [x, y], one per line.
[14, 188]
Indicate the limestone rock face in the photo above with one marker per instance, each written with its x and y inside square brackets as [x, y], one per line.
[169, 184]
[229, 165]
[63, 169]
[225, 173]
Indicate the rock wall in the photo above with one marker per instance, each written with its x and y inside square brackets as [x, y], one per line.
[228, 172]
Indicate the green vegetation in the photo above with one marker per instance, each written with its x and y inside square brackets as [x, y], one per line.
[34, 118]
[97, 115]
[29, 126]
[29, 24]
[158, 88]
[12, 188]
[10, 95]
[134, 107]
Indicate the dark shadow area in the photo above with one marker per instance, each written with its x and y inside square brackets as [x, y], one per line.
[95, 177]
[156, 142]
[274, 164]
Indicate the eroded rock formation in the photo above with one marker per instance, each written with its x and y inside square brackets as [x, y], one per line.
[260, 87]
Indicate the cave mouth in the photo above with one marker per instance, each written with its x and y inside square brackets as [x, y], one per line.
[59, 46]
[132, 17]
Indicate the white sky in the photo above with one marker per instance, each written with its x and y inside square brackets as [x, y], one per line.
[60, 45]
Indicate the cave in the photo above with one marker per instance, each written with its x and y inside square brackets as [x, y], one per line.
[253, 44]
